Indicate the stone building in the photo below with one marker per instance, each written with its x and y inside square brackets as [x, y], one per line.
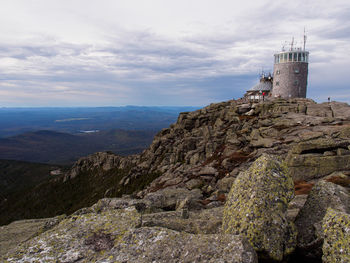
[289, 76]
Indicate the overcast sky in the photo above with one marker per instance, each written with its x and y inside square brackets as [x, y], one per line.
[162, 52]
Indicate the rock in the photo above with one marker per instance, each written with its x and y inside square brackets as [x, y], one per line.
[207, 221]
[294, 206]
[321, 110]
[168, 198]
[81, 237]
[164, 245]
[336, 233]
[19, 231]
[256, 208]
[308, 222]
[224, 185]
[194, 183]
[312, 159]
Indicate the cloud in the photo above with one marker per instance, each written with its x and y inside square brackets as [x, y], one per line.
[161, 52]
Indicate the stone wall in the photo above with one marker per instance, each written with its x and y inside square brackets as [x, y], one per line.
[287, 83]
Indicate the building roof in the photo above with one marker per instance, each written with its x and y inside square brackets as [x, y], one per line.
[262, 86]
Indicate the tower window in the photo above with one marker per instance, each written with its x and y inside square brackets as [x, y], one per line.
[296, 71]
[296, 82]
[278, 72]
[299, 56]
[277, 83]
[290, 57]
[295, 56]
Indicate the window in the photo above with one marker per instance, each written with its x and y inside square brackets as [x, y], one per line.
[303, 57]
[278, 72]
[281, 58]
[296, 82]
[299, 56]
[295, 57]
[277, 83]
[296, 71]
[285, 57]
[290, 57]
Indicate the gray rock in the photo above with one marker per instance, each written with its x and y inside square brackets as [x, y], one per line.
[168, 198]
[256, 208]
[308, 222]
[164, 245]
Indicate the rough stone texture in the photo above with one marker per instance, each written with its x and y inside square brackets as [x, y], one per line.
[104, 160]
[19, 231]
[336, 232]
[207, 221]
[116, 235]
[308, 222]
[169, 198]
[256, 208]
[164, 245]
[318, 157]
[78, 237]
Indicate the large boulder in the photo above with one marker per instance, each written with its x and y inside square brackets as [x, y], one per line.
[164, 245]
[116, 235]
[256, 208]
[78, 237]
[336, 232]
[308, 222]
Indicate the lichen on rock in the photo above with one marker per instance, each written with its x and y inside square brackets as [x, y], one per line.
[323, 195]
[336, 232]
[256, 207]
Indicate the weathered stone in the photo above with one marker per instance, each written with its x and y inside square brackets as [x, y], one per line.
[256, 208]
[19, 231]
[78, 238]
[314, 159]
[336, 233]
[207, 221]
[321, 110]
[168, 198]
[224, 185]
[163, 245]
[308, 222]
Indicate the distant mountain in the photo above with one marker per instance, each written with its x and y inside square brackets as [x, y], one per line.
[15, 121]
[63, 148]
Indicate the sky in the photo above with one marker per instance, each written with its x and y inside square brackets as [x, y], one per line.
[162, 52]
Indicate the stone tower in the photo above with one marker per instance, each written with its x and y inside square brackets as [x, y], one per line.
[290, 73]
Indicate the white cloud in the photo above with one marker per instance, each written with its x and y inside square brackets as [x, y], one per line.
[135, 52]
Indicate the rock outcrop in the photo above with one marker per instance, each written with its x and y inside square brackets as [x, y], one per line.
[117, 235]
[225, 152]
[256, 208]
[323, 195]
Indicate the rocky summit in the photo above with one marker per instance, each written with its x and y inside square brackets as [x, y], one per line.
[232, 182]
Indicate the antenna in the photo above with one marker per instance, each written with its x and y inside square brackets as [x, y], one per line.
[305, 37]
[292, 44]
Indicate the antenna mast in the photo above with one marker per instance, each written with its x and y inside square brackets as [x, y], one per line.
[305, 37]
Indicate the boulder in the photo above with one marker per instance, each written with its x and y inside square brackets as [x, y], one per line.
[79, 237]
[336, 233]
[169, 198]
[256, 208]
[308, 222]
[163, 245]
